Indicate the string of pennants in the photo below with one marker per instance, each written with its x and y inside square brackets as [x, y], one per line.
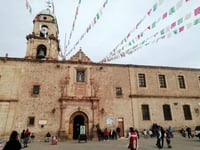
[89, 27]
[174, 28]
[126, 43]
[127, 46]
[28, 6]
[73, 25]
[50, 5]
[148, 14]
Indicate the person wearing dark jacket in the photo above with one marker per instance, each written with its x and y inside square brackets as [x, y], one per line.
[13, 143]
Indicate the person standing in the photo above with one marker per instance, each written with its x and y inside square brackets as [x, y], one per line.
[159, 135]
[22, 138]
[118, 131]
[27, 135]
[13, 143]
[106, 134]
[133, 139]
[189, 132]
[168, 138]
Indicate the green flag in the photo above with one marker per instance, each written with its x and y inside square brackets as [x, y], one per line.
[154, 24]
[196, 21]
[180, 21]
[30, 10]
[155, 7]
[172, 10]
[162, 31]
[97, 16]
[175, 31]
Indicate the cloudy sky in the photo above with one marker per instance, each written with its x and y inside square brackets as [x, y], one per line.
[119, 26]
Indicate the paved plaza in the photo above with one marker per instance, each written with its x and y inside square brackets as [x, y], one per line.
[178, 143]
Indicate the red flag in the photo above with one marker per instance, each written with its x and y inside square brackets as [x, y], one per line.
[181, 29]
[164, 15]
[149, 27]
[173, 25]
[128, 35]
[197, 11]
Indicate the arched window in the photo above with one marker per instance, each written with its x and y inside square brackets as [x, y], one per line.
[187, 112]
[44, 31]
[41, 52]
[167, 112]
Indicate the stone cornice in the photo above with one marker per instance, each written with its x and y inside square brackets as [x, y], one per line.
[161, 96]
[9, 100]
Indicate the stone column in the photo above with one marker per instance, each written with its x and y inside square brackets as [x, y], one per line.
[62, 132]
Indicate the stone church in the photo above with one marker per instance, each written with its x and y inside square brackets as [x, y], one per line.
[42, 93]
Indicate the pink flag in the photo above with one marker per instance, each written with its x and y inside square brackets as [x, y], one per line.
[94, 20]
[149, 12]
[128, 36]
[149, 27]
[76, 11]
[197, 11]
[27, 4]
[187, 0]
[181, 29]
[173, 25]
[164, 15]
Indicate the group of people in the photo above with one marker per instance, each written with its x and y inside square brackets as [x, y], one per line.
[26, 137]
[107, 134]
[162, 134]
[53, 139]
[16, 141]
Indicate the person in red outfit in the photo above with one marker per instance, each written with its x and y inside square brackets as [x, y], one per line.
[133, 139]
[106, 134]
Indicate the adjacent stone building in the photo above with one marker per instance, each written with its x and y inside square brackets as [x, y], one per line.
[44, 94]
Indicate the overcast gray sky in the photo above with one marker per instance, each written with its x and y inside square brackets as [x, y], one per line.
[116, 20]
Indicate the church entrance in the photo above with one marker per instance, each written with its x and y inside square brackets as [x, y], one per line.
[77, 120]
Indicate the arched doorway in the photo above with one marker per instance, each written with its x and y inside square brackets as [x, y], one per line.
[76, 120]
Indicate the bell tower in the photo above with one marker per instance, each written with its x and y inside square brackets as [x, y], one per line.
[43, 42]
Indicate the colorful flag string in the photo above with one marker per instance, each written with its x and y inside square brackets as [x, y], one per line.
[149, 13]
[92, 24]
[73, 25]
[152, 26]
[129, 43]
[172, 29]
[28, 7]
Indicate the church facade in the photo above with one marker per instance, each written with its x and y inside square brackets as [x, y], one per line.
[44, 94]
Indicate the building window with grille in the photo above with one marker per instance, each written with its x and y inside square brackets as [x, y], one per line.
[162, 81]
[80, 76]
[167, 112]
[31, 121]
[118, 91]
[181, 81]
[36, 89]
[141, 79]
[187, 112]
[145, 112]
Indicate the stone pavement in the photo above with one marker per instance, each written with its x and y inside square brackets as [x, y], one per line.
[178, 143]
